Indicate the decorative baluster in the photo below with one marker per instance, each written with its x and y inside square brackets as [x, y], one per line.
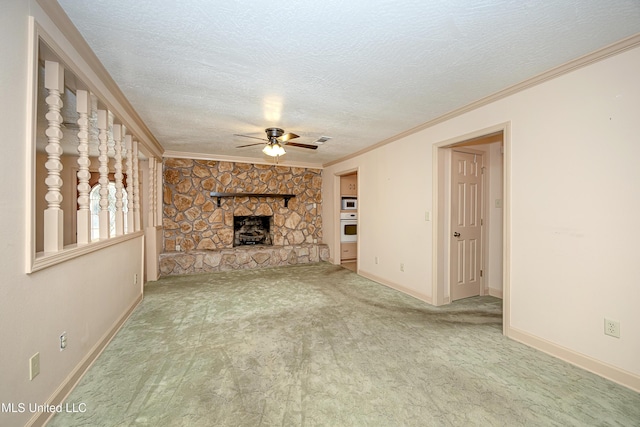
[136, 188]
[103, 158]
[117, 139]
[157, 209]
[83, 107]
[53, 214]
[152, 191]
[128, 142]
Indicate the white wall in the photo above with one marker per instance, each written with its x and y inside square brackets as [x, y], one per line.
[84, 297]
[574, 151]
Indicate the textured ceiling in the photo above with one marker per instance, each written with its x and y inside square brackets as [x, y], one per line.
[199, 71]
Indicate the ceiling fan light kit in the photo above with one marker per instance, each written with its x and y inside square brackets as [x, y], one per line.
[274, 143]
[274, 150]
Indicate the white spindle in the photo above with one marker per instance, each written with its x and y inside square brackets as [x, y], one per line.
[128, 143]
[103, 158]
[117, 140]
[53, 214]
[152, 192]
[83, 107]
[159, 193]
[136, 188]
[156, 186]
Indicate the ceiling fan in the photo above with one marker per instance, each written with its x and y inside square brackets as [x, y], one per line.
[274, 142]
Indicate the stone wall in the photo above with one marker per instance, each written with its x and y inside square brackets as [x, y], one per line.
[192, 219]
[244, 257]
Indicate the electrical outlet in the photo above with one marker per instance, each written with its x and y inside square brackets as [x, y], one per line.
[376, 260]
[401, 266]
[63, 341]
[135, 279]
[427, 216]
[611, 328]
[34, 366]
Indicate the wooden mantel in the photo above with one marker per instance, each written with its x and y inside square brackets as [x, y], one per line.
[219, 196]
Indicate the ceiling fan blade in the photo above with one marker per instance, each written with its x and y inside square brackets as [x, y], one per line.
[287, 136]
[250, 145]
[252, 137]
[296, 144]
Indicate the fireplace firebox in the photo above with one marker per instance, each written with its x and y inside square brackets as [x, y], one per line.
[252, 230]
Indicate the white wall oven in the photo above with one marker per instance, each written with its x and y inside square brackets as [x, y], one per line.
[348, 227]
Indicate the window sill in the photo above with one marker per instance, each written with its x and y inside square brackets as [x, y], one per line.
[44, 260]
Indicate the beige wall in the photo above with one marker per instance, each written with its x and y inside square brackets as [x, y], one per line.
[573, 203]
[84, 296]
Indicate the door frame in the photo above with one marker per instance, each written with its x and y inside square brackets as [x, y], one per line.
[336, 214]
[441, 235]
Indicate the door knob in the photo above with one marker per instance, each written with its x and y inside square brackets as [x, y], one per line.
[456, 234]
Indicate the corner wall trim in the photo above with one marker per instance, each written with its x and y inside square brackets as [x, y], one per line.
[617, 375]
[63, 391]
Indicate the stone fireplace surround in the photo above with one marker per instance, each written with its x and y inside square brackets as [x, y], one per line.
[205, 232]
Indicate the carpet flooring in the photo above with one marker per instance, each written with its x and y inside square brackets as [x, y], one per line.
[318, 345]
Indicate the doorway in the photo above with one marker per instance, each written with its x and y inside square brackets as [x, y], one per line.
[348, 220]
[486, 250]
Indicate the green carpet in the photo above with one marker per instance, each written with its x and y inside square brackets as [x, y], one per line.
[318, 345]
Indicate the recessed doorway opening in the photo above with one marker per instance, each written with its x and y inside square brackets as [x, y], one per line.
[470, 192]
[348, 217]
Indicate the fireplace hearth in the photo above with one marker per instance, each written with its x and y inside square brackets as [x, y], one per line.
[252, 230]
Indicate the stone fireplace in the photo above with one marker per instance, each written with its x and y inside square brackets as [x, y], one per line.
[252, 230]
[203, 234]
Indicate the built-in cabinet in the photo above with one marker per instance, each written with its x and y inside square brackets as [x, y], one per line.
[349, 185]
[348, 251]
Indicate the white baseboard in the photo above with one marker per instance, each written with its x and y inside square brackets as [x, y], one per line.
[617, 375]
[61, 393]
[396, 286]
[495, 293]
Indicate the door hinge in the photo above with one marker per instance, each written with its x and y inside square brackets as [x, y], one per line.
[480, 273]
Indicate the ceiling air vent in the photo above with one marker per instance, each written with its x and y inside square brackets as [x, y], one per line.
[322, 140]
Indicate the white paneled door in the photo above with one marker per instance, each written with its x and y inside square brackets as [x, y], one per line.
[466, 224]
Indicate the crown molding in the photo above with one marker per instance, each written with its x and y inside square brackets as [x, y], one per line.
[580, 62]
[237, 159]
